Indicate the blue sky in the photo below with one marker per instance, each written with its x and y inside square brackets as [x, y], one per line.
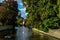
[0, 1]
[21, 8]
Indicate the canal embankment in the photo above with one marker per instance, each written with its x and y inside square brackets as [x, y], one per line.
[6, 30]
[52, 33]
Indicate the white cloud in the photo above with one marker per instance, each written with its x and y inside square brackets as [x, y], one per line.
[20, 4]
[26, 14]
[23, 9]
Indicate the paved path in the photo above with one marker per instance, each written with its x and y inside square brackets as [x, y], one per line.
[54, 33]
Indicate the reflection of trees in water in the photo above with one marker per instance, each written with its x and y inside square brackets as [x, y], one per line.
[23, 33]
[35, 36]
[41, 36]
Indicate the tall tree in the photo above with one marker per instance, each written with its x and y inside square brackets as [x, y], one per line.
[58, 3]
[8, 12]
[42, 13]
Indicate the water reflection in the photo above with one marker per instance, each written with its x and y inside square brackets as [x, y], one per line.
[36, 36]
[23, 33]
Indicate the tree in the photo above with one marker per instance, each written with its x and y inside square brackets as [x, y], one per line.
[3, 15]
[58, 4]
[0, 4]
[19, 20]
[42, 13]
[8, 12]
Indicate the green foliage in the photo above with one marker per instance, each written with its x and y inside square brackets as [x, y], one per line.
[50, 23]
[42, 13]
[0, 4]
[19, 21]
[58, 3]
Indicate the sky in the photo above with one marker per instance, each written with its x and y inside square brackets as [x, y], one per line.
[0, 1]
[21, 8]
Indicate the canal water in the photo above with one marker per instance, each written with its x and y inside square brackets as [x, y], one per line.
[24, 33]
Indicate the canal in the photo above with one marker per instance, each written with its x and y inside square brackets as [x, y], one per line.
[24, 33]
